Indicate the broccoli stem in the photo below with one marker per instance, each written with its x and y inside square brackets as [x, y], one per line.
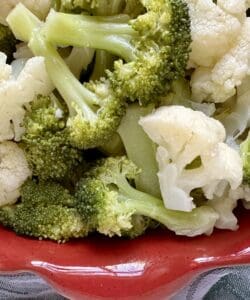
[73, 92]
[95, 32]
[149, 206]
[140, 149]
[103, 61]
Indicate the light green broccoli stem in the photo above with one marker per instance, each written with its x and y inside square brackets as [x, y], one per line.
[103, 61]
[27, 27]
[104, 33]
[149, 206]
[140, 149]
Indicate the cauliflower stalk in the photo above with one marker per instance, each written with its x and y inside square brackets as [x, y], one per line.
[14, 171]
[17, 91]
[191, 154]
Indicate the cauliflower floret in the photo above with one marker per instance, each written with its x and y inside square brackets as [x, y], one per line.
[219, 83]
[39, 7]
[213, 32]
[183, 136]
[234, 7]
[14, 171]
[16, 93]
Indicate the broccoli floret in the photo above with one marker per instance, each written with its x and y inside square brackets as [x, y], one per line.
[94, 111]
[46, 211]
[245, 156]
[155, 45]
[107, 202]
[46, 140]
[7, 42]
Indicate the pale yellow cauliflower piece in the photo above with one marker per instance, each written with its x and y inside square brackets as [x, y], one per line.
[213, 32]
[18, 92]
[14, 171]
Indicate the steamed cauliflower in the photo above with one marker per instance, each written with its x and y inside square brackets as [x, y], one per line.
[213, 32]
[17, 91]
[191, 154]
[38, 7]
[219, 83]
[220, 49]
[14, 171]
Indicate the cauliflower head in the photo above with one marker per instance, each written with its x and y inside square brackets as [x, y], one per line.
[218, 83]
[39, 7]
[14, 171]
[191, 155]
[17, 91]
[213, 30]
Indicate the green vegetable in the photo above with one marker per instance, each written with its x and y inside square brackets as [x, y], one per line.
[155, 45]
[7, 42]
[140, 149]
[245, 156]
[107, 202]
[46, 140]
[45, 211]
[94, 111]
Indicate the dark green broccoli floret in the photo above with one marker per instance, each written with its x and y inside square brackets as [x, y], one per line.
[46, 141]
[155, 45]
[46, 211]
[94, 111]
[7, 42]
[245, 156]
[107, 202]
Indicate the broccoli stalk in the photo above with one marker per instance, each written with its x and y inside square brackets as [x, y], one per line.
[107, 202]
[155, 45]
[46, 211]
[140, 149]
[94, 111]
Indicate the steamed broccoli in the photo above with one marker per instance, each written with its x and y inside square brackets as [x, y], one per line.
[107, 202]
[7, 42]
[245, 156]
[94, 111]
[46, 141]
[46, 211]
[155, 45]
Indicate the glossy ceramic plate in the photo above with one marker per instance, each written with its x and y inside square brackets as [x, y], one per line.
[153, 266]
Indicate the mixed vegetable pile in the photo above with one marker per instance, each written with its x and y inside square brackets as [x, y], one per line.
[122, 115]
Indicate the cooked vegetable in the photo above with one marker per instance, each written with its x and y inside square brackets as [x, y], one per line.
[155, 45]
[107, 202]
[14, 171]
[94, 111]
[191, 155]
[45, 211]
[46, 140]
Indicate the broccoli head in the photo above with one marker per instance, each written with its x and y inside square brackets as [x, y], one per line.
[46, 211]
[154, 45]
[108, 202]
[94, 110]
[46, 141]
[7, 42]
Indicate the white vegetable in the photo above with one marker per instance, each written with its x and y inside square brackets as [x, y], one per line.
[234, 7]
[219, 83]
[39, 7]
[14, 171]
[213, 32]
[16, 93]
[184, 135]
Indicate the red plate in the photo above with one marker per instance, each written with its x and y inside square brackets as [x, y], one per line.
[151, 267]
